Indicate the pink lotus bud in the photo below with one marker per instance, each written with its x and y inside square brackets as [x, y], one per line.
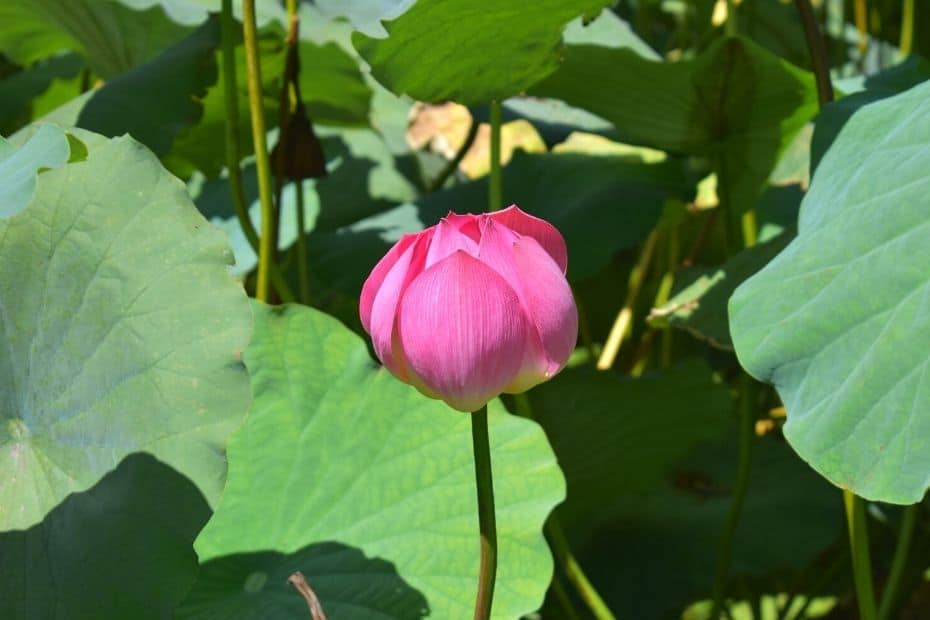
[473, 306]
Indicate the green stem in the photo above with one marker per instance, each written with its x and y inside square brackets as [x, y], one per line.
[564, 600]
[859, 547]
[302, 266]
[907, 28]
[495, 188]
[486, 521]
[625, 317]
[898, 562]
[262, 164]
[231, 99]
[820, 61]
[665, 291]
[453, 164]
[739, 494]
[574, 572]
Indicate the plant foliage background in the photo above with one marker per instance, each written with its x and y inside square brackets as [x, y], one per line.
[170, 449]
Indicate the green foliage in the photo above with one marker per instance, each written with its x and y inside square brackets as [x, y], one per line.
[46, 148]
[735, 104]
[336, 450]
[680, 141]
[838, 322]
[700, 307]
[122, 332]
[471, 53]
[127, 540]
[156, 100]
[111, 37]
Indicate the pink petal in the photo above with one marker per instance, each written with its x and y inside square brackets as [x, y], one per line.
[542, 231]
[545, 298]
[462, 332]
[447, 239]
[467, 224]
[376, 278]
[384, 306]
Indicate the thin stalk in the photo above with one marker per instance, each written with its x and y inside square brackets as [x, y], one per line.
[898, 562]
[453, 164]
[232, 124]
[907, 28]
[665, 291]
[861, 16]
[744, 468]
[486, 522]
[262, 163]
[495, 188]
[820, 61]
[574, 572]
[564, 600]
[303, 273]
[625, 316]
[233, 148]
[859, 547]
[750, 229]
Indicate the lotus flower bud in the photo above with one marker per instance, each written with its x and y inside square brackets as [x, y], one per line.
[473, 306]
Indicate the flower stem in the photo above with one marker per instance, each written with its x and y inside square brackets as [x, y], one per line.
[625, 316]
[820, 61]
[453, 164]
[859, 546]
[739, 495]
[907, 28]
[486, 522]
[564, 600]
[231, 97]
[898, 562]
[495, 188]
[262, 164]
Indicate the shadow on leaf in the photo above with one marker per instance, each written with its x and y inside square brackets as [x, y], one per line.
[348, 584]
[121, 549]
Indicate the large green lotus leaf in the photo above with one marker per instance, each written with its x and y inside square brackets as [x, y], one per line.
[879, 86]
[701, 306]
[158, 99]
[468, 51]
[607, 30]
[839, 322]
[623, 435]
[790, 517]
[650, 464]
[122, 549]
[111, 37]
[19, 167]
[366, 16]
[335, 449]
[735, 103]
[123, 332]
